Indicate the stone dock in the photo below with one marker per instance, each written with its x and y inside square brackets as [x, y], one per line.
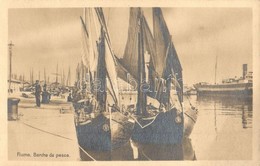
[45, 133]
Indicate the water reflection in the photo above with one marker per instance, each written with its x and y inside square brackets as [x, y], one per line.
[125, 153]
[137, 151]
[224, 128]
[233, 107]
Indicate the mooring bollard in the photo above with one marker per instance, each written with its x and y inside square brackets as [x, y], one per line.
[13, 108]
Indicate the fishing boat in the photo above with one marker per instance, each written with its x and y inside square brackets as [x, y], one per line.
[152, 61]
[100, 124]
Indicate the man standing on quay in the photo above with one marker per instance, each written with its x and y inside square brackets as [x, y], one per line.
[38, 90]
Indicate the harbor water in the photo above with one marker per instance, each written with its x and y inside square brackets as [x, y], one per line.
[224, 128]
[223, 131]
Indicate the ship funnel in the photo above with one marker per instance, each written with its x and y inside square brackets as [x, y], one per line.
[244, 70]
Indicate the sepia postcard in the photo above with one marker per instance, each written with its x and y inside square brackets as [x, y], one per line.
[130, 82]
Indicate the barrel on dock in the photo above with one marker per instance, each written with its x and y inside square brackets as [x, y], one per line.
[13, 108]
[46, 97]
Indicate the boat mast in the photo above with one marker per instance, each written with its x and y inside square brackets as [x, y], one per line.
[63, 77]
[216, 68]
[142, 98]
[44, 76]
[60, 74]
[110, 68]
[101, 72]
[57, 73]
[68, 78]
[77, 75]
[39, 75]
[32, 77]
[23, 81]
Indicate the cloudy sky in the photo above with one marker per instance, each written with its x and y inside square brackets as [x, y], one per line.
[45, 37]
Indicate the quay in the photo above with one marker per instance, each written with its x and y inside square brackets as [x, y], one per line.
[45, 133]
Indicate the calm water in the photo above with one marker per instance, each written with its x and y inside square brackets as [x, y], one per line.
[223, 129]
[223, 132]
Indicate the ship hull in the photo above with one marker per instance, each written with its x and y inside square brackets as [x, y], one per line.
[104, 135]
[162, 130]
[238, 89]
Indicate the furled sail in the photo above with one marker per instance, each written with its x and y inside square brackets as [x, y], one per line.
[90, 38]
[99, 56]
[110, 64]
[112, 86]
[100, 80]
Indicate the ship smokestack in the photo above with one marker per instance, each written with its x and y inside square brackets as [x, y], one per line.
[244, 70]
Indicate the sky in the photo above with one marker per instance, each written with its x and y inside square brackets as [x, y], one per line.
[46, 37]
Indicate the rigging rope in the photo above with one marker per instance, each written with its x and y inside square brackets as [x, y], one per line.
[57, 135]
[60, 136]
[87, 153]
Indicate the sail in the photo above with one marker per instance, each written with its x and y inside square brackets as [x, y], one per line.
[123, 73]
[112, 86]
[130, 58]
[161, 37]
[149, 44]
[175, 70]
[110, 60]
[100, 81]
[77, 76]
[127, 67]
[166, 62]
[90, 38]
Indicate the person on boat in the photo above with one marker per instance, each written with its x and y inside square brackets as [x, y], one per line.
[69, 99]
[87, 105]
[131, 106]
[38, 91]
[123, 108]
[151, 110]
[75, 98]
[113, 108]
[93, 103]
[162, 108]
[151, 107]
[124, 111]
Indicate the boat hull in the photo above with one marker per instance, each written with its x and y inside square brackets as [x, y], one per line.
[190, 118]
[95, 135]
[163, 130]
[235, 89]
[103, 135]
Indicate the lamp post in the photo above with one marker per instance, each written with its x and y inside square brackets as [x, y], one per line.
[10, 45]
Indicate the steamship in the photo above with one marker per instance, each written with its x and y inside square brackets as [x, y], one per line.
[239, 87]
